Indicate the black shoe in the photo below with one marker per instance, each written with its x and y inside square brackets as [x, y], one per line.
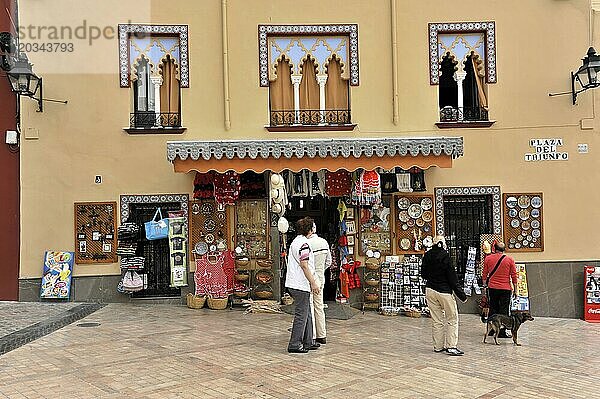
[454, 352]
[297, 350]
[321, 341]
[314, 346]
[440, 350]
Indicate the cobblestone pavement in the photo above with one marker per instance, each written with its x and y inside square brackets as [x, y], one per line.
[167, 351]
[15, 316]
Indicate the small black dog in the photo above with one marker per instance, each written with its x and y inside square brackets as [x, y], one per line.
[512, 323]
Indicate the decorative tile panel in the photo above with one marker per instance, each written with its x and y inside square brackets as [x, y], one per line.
[321, 41]
[494, 191]
[487, 28]
[139, 31]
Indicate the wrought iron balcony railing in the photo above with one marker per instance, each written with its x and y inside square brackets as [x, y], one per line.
[311, 117]
[149, 119]
[453, 114]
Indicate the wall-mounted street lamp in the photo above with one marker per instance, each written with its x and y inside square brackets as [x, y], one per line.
[586, 76]
[24, 82]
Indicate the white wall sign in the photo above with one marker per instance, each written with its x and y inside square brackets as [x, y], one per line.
[546, 150]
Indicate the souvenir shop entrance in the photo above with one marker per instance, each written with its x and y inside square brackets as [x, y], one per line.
[157, 267]
[324, 212]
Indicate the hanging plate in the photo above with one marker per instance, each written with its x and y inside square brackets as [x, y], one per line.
[207, 208]
[426, 203]
[405, 244]
[523, 214]
[535, 224]
[403, 203]
[221, 216]
[514, 223]
[511, 202]
[209, 238]
[427, 215]
[536, 202]
[535, 213]
[403, 216]
[525, 225]
[420, 222]
[415, 211]
[411, 222]
[195, 208]
[523, 201]
[201, 248]
[536, 233]
[513, 213]
[210, 225]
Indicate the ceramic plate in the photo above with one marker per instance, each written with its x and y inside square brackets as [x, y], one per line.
[512, 241]
[403, 203]
[405, 243]
[514, 223]
[517, 245]
[206, 208]
[535, 213]
[523, 201]
[410, 222]
[511, 246]
[427, 215]
[195, 208]
[523, 214]
[525, 243]
[525, 225]
[209, 238]
[511, 202]
[536, 202]
[426, 204]
[403, 216]
[415, 211]
[536, 233]
[427, 228]
[513, 213]
[201, 248]
[221, 216]
[404, 226]
[535, 224]
[520, 238]
[529, 237]
[420, 222]
[209, 225]
[531, 245]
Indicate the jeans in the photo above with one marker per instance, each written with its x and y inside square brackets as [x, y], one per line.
[302, 329]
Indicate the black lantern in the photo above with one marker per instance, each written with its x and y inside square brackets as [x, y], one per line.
[24, 82]
[587, 75]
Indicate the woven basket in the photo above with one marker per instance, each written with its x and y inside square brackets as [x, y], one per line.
[195, 301]
[264, 277]
[265, 264]
[372, 266]
[217, 303]
[371, 296]
[241, 294]
[241, 276]
[264, 294]
[372, 282]
[414, 313]
[242, 262]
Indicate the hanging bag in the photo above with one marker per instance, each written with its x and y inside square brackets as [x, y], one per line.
[157, 229]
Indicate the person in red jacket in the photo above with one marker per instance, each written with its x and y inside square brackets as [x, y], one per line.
[499, 284]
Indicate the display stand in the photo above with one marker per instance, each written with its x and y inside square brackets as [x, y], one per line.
[591, 294]
[391, 286]
[371, 289]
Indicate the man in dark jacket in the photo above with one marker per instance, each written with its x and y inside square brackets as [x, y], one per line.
[441, 283]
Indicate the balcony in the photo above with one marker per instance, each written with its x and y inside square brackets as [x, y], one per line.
[453, 117]
[144, 122]
[311, 120]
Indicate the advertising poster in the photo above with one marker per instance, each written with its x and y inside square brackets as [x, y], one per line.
[591, 305]
[56, 277]
[521, 302]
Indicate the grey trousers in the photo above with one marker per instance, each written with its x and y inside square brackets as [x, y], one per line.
[302, 329]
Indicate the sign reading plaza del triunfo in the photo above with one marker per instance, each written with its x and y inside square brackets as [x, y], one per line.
[546, 150]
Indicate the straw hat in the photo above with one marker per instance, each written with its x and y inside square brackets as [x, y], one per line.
[278, 195]
[283, 225]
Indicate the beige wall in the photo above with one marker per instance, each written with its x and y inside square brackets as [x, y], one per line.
[538, 43]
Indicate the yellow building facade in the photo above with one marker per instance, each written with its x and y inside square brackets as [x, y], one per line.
[392, 69]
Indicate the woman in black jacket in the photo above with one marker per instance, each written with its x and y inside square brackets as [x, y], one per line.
[441, 283]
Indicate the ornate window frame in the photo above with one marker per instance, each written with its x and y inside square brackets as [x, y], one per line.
[488, 28]
[127, 199]
[287, 30]
[440, 192]
[125, 30]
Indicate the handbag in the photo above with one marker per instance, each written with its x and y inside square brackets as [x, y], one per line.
[132, 282]
[157, 229]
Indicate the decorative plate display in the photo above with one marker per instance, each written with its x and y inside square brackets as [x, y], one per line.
[536, 202]
[415, 211]
[426, 204]
[403, 216]
[210, 238]
[513, 213]
[514, 223]
[403, 203]
[523, 202]
[523, 214]
[525, 225]
[535, 224]
[210, 225]
[427, 216]
[511, 202]
[201, 248]
[535, 213]
[405, 244]
[207, 208]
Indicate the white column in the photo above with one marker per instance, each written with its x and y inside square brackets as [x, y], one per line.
[459, 77]
[296, 79]
[322, 79]
[157, 81]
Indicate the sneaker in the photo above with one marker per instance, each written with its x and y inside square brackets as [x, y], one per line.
[454, 352]
[321, 341]
[440, 350]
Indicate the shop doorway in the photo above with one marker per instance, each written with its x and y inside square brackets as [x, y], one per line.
[324, 212]
[156, 252]
[465, 218]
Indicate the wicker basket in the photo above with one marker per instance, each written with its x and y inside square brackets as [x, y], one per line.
[217, 303]
[241, 276]
[265, 264]
[264, 277]
[195, 301]
[371, 296]
[372, 282]
[414, 313]
[241, 294]
[264, 294]
[242, 262]
[372, 264]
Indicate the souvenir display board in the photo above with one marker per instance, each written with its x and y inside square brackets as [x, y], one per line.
[591, 305]
[415, 221]
[374, 229]
[520, 303]
[56, 275]
[209, 227]
[95, 238]
[413, 286]
[252, 228]
[391, 284]
[523, 222]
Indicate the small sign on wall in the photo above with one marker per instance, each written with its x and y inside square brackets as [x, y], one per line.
[546, 150]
